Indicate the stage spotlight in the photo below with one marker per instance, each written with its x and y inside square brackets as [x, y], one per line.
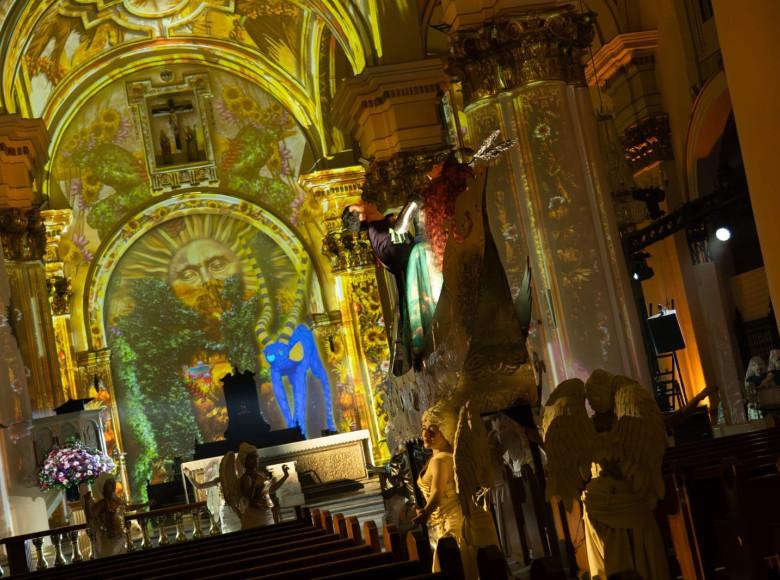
[639, 267]
[723, 234]
[652, 196]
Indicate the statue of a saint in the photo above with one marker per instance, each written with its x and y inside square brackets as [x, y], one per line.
[165, 149]
[754, 376]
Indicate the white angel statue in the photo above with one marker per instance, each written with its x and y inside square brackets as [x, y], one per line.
[772, 378]
[613, 461]
[454, 480]
[754, 376]
[245, 488]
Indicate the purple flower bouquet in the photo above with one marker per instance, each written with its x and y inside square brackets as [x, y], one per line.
[69, 466]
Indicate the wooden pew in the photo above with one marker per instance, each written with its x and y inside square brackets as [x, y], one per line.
[698, 497]
[269, 536]
[292, 550]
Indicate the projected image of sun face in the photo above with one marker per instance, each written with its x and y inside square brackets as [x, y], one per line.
[186, 302]
[198, 272]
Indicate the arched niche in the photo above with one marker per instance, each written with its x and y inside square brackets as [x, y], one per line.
[709, 116]
[213, 210]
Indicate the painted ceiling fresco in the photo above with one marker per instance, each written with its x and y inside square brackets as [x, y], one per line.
[66, 37]
[102, 166]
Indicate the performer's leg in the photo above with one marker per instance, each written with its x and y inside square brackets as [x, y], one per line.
[318, 370]
[299, 393]
[281, 395]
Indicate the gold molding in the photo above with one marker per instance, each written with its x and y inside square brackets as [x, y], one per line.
[512, 52]
[648, 142]
[395, 107]
[348, 251]
[619, 52]
[390, 182]
[57, 222]
[24, 152]
[334, 189]
[22, 234]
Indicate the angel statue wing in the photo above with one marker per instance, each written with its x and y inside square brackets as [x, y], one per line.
[569, 441]
[228, 480]
[639, 437]
[471, 457]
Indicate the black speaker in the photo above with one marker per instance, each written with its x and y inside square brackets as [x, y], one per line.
[665, 332]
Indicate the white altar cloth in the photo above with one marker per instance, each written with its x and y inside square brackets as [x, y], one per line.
[340, 456]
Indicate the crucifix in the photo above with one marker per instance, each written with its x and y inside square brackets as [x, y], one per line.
[172, 111]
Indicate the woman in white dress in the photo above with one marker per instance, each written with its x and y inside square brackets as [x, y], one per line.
[443, 512]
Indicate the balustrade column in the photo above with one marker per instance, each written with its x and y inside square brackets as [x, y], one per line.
[523, 74]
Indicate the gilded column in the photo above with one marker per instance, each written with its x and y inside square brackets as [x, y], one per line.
[25, 322]
[94, 380]
[24, 241]
[395, 114]
[523, 74]
[355, 333]
[60, 293]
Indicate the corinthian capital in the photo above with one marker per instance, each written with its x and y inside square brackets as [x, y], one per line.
[390, 182]
[348, 251]
[513, 51]
[22, 234]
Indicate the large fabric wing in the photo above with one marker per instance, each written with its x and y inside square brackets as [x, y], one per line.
[569, 442]
[473, 469]
[231, 486]
[639, 438]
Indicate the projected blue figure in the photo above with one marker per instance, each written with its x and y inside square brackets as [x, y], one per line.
[294, 360]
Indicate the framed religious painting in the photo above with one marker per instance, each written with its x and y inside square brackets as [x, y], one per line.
[175, 119]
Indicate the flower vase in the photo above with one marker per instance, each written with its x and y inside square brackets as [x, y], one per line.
[72, 494]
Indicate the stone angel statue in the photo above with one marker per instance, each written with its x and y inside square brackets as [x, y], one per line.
[454, 482]
[612, 461]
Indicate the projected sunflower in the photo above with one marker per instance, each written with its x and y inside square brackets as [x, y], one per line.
[190, 298]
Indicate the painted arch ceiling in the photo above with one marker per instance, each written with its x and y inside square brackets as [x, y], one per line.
[52, 43]
[243, 86]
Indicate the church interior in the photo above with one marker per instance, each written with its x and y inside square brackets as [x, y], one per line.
[389, 289]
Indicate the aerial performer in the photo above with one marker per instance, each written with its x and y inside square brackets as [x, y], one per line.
[476, 362]
[411, 245]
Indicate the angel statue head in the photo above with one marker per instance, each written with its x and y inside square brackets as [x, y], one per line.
[439, 423]
[774, 360]
[600, 391]
[247, 457]
[756, 368]
[104, 487]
